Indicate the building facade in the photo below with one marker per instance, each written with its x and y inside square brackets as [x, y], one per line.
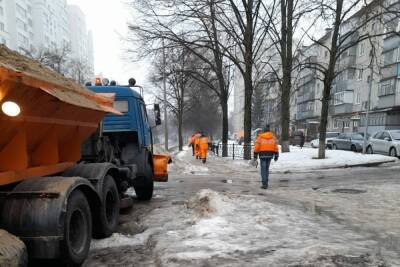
[34, 26]
[16, 25]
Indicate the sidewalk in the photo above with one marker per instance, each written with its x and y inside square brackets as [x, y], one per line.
[298, 160]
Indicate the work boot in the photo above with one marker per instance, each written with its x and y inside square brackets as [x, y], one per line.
[204, 161]
[265, 186]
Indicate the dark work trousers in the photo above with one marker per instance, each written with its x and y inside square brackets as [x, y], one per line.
[265, 163]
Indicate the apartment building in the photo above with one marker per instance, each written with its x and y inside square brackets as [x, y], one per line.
[385, 109]
[16, 26]
[309, 86]
[50, 24]
[32, 26]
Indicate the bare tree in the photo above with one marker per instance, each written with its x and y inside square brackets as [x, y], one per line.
[192, 24]
[178, 73]
[79, 71]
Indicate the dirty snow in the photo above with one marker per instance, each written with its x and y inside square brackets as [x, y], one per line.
[305, 159]
[239, 230]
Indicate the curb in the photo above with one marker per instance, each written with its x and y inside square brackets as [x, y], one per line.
[369, 164]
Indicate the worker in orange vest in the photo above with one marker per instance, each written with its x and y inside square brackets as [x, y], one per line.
[266, 148]
[197, 146]
[192, 141]
[203, 145]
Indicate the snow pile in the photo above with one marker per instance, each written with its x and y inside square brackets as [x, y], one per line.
[207, 203]
[249, 231]
[119, 240]
[214, 229]
[305, 159]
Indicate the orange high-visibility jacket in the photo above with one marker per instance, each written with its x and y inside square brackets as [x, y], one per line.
[191, 139]
[266, 142]
[203, 143]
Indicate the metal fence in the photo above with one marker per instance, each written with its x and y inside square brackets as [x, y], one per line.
[235, 151]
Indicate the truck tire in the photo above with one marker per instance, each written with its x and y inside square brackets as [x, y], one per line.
[77, 230]
[12, 250]
[109, 212]
[145, 185]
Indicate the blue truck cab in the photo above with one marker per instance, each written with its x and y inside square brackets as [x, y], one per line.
[125, 140]
[134, 115]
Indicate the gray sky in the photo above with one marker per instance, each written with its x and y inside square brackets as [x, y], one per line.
[108, 21]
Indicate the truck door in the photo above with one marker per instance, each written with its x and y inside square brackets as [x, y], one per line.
[145, 126]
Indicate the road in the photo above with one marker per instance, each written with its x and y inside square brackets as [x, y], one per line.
[338, 217]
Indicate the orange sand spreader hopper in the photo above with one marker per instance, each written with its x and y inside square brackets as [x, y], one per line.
[44, 119]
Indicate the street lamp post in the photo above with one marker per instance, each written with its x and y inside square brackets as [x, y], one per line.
[371, 67]
[165, 99]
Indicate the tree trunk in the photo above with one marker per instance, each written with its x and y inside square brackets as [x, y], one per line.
[225, 127]
[248, 89]
[287, 61]
[324, 121]
[180, 136]
[328, 79]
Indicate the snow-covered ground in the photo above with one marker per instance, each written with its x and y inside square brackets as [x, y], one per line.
[306, 159]
[239, 230]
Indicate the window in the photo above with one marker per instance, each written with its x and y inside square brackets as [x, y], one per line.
[360, 74]
[377, 135]
[346, 124]
[342, 136]
[355, 124]
[390, 57]
[358, 97]
[1, 11]
[339, 98]
[2, 28]
[335, 124]
[144, 113]
[357, 137]
[121, 105]
[361, 51]
[386, 89]
[385, 135]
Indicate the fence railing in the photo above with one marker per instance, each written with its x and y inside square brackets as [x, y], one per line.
[235, 151]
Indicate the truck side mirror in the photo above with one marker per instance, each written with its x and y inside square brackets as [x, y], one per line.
[157, 114]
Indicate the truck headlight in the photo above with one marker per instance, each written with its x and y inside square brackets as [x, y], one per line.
[11, 109]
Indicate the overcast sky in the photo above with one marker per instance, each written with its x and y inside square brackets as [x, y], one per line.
[108, 21]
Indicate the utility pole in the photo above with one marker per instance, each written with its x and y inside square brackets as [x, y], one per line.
[371, 79]
[165, 98]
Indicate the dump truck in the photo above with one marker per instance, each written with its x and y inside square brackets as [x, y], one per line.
[68, 154]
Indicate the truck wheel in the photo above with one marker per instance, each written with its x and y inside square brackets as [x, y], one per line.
[145, 185]
[77, 230]
[12, 250]
[109, 212]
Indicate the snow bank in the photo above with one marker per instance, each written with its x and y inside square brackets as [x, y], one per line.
[119, 240]
[305, 159]
[214, 229]
[207, 202]
[241, 231]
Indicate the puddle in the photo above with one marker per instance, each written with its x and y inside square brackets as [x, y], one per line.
[349, 191]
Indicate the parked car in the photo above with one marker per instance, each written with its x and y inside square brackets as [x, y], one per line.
[385, 142]
[296, 137]
[329, 136]
[348, 141]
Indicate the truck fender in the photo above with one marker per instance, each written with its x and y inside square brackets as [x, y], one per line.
[94, 173]
[35, 211]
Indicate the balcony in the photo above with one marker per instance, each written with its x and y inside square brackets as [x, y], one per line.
[341, 109]
[302, 115]
[306, 96]
[346, 62]
[390, 71]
